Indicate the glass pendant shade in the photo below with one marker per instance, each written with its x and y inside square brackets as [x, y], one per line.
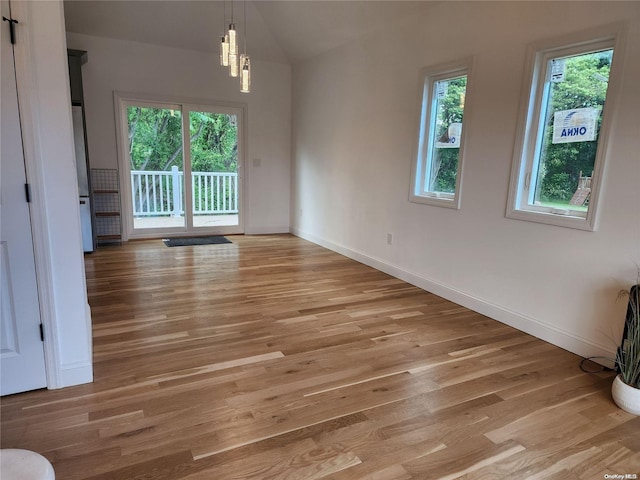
[245, 74]
[224, 50]
[233, 51]
[233, 64]
[233, 44]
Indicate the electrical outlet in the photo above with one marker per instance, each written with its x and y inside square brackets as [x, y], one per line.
[389, 238]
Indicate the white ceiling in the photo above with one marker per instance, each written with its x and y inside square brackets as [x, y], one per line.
[280, 31]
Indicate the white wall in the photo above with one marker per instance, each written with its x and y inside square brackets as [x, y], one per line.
[43, 86]
[354, 133]
[131, 67]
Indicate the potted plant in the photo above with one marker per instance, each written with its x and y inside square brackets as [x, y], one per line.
[626, 386]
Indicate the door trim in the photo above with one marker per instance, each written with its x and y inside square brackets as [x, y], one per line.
[34, 158]
[48, 132]
[120, 99]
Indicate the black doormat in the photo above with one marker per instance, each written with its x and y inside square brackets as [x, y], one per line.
[183, 242]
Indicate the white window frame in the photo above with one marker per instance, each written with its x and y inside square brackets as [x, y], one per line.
[426, 130]
[531, 126]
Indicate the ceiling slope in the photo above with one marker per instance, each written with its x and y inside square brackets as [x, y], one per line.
[279, 31]
[192, 25]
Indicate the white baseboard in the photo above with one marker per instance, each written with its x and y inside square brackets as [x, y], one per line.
[539, 329]
[266, 230]
[75, 374]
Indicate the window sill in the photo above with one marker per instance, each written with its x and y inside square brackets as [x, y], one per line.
[558, 218]
[437, 200]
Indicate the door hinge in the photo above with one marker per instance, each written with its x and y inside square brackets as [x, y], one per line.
[27, 192]
[41, 333]
[12, 28]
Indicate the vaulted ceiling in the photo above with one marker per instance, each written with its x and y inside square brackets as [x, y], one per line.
[279, 31]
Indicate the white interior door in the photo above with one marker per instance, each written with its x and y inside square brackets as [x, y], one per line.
[21, 349]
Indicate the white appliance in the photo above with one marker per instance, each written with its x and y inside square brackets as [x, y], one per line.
[83, 178]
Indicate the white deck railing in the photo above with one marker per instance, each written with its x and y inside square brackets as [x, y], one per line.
[157, 193]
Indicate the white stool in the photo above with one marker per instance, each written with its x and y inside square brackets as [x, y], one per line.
[24, 465]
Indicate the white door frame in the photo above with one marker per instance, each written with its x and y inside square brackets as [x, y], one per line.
[41, 93]
[121, 101]
[29, 123]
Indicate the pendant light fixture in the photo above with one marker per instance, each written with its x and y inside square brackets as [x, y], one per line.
[245, 61]
[229, 49]
[224, 40]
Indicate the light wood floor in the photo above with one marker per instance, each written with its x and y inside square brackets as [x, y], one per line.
[272, 358]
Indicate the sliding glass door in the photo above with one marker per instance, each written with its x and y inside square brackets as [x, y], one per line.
[182, 167]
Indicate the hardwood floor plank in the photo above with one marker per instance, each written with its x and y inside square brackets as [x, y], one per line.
[287, 463]
[468, 456]
[271, 357]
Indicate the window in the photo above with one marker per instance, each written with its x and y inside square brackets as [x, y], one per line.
[558, 170]
[437, 170]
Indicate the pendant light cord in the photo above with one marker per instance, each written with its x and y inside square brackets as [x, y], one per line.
[244, 8]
